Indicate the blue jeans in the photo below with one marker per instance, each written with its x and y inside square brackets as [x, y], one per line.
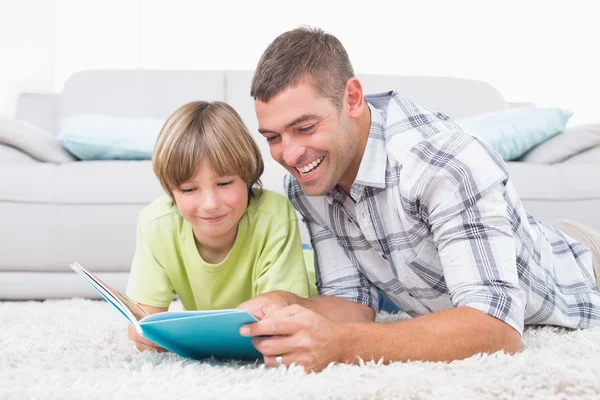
[385, 304]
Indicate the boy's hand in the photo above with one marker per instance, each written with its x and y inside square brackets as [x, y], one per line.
[265, 303]
[141, 343]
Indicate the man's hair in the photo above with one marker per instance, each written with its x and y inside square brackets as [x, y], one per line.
[303, 53]
[199, 130]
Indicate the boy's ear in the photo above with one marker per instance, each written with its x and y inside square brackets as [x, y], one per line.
[353, 97]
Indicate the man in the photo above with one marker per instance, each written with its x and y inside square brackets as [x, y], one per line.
[399, 199]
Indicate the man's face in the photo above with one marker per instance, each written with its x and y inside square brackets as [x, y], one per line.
[308, 136]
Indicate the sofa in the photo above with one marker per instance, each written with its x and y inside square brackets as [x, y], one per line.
[55, 209]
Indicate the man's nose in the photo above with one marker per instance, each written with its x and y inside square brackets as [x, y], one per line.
[293, 150]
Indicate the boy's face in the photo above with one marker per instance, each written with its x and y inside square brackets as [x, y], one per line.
[213, 204]
[309, 137]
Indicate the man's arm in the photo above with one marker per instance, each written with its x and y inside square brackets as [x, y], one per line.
[448, 335]
[302, 337]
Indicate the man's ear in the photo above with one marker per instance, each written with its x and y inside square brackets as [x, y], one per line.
[353, 97]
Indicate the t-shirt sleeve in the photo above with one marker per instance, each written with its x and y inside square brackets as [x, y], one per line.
[281, 265]
[148, 282]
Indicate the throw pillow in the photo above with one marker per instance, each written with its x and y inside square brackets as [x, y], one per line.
[32, 141]
[515, 131]
[100, 137]
[573, 141]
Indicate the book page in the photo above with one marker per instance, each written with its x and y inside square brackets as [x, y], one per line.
[129, 308]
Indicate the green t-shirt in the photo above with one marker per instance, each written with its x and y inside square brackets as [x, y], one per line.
[266, 255]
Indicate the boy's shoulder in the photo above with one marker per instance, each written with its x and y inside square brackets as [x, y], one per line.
[159, 208]
[272, 203]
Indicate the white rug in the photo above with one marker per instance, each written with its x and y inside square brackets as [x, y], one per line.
[78, 349]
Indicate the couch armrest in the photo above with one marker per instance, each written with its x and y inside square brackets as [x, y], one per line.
[39, 110]
[32, 141]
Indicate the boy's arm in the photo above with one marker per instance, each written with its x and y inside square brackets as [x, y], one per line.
[141, 343]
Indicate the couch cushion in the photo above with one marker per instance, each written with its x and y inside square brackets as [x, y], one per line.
[569, 144]
[514, 132]
[559, 190]
[9, 154]
[454, 96]
[591, 156]
[102, 137]
[557, 182]
[33, 141]
[137, 93]
[83, 182]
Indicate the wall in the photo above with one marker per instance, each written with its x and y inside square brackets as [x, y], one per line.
[531, 50]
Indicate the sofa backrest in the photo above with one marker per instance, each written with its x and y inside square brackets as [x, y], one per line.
[137, 93]
[456, 97]
[157, 93]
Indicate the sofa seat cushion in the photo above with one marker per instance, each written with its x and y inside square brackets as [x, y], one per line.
[560, 182]
[559, 190]
[89, 182]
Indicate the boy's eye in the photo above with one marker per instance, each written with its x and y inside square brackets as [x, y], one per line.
[227, 183]
[305, 129]
[187, 190]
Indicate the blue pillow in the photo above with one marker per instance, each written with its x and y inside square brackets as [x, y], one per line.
[99, 137]
[515, 131]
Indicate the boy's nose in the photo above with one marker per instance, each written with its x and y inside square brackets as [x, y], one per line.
[209, 201]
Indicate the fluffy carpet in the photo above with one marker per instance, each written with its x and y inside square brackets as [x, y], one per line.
[78, 349]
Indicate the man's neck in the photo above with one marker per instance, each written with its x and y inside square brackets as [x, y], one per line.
[364, 127]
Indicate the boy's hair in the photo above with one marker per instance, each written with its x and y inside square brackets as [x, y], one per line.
[303, 53]
[201, 129]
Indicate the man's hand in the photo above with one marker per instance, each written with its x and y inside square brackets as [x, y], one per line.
[265, 303]
[141, 343]
[299, 336]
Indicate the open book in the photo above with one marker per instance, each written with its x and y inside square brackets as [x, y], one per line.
[191, 334]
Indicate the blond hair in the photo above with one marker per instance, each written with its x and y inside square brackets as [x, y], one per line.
[199, 130]
[303, 53]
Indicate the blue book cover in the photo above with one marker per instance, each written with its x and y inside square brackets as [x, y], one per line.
[190, 334]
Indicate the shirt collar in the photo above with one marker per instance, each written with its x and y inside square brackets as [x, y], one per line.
[372, 169]
[373, 163]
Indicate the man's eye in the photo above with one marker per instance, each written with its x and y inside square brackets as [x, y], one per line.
[306, 128]
[272, 138]
[224, 183]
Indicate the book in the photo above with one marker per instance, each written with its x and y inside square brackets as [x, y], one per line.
[191, 334]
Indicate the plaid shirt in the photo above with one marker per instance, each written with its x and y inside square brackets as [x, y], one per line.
[434, 222]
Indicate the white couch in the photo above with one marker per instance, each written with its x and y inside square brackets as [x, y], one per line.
[53, 213]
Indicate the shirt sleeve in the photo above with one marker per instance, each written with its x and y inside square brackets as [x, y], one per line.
[282, 264]
[148, 282]
[336, 274]
[464, 205]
